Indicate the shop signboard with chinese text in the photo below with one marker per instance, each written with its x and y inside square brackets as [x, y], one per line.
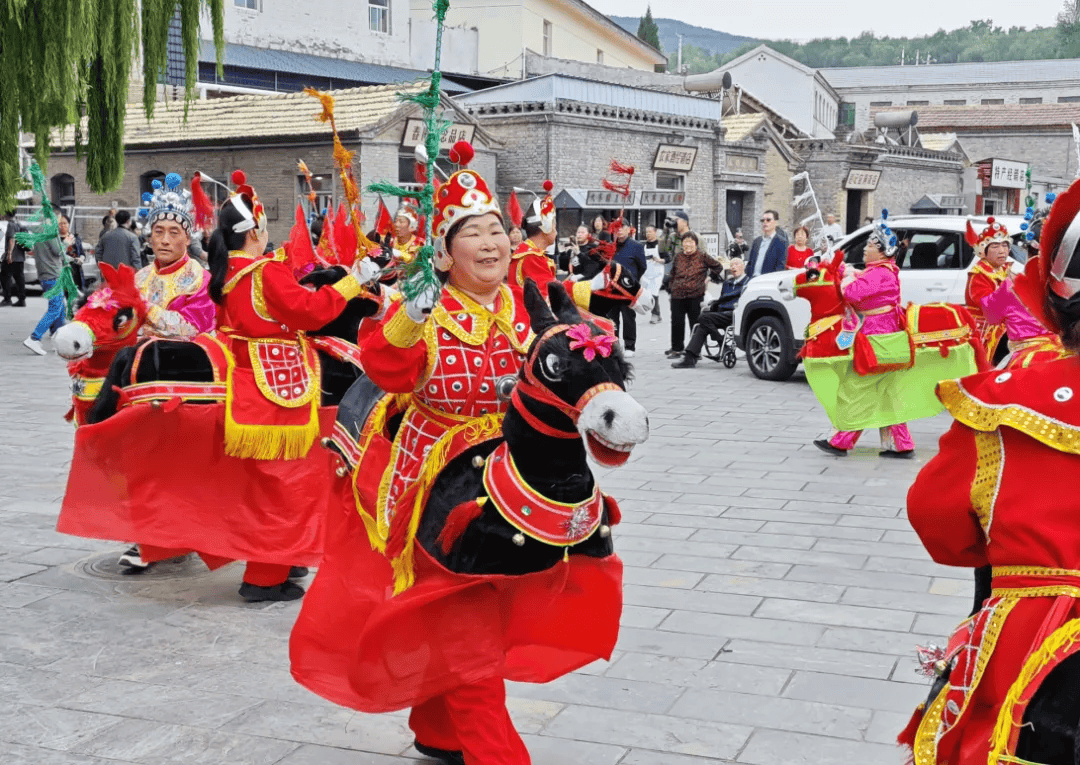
[678, 158]
[415, 132]
[600, 198]
[710, 243]
[661, 198]
[1006, 174]
[862, 180]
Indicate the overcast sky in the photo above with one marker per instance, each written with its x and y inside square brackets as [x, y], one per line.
[805, 19]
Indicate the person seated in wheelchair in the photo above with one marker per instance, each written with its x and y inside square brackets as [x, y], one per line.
[717, 319]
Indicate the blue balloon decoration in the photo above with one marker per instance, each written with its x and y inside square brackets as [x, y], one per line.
[172, 180]
[1050, 198]
[1029, 214]
[147, 196]
[1030, 235]
[1023, 227]
[156, 183]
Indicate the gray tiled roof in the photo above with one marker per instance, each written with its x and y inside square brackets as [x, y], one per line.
[1018, 72]
[305, 63]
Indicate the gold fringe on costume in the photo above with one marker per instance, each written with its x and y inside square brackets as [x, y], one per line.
[474, 431]
[1060, 641]
[375, 425]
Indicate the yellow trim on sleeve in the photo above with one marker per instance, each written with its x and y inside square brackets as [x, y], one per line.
[348, 288]
[581, 293]
[401, 331]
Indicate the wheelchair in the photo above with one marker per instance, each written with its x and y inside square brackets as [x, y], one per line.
[721, 352]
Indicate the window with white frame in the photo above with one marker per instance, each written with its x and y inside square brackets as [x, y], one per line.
[670, 181]
[323, 186]
[547, 38]
[379, 16]
[251, 5]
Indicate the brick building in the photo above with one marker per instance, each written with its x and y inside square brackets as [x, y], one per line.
[569, 129]
[855, 181]
[265, 136]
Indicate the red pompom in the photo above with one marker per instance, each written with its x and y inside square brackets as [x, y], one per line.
[990, 221]
[462, 153]
[238, 178]
[548, 186]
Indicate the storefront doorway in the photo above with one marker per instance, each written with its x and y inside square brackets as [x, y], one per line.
[853, 213]
[737, 203]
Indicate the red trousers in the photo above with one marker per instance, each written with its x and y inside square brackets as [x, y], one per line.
[472, 719]
[258, 574]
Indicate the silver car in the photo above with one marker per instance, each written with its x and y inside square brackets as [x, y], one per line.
[90, 269]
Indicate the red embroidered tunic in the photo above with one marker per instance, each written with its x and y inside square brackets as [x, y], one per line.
[996, 493]
[450, 365]
[273, 388]
[982, 282]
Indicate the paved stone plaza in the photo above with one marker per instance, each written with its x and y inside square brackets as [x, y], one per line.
[774, 598]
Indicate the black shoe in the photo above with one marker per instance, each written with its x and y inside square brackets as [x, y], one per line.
[298, 572]
[688, 362]
[828, 448]
[21, 304]
[5, 302]
[287, 590]
[671, 353]
[893, 454]
[447, 756]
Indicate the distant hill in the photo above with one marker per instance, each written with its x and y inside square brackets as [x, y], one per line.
[711, 40]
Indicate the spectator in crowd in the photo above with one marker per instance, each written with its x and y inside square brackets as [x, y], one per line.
[49, 258]
[738, 247]
[832, 230]
[798, 253]
[654, 270]
[631, 256]
[516, 237]
[671, 242]
[121, 245]
[73, 248]
[768, 253]
[12, 278]
[581, 257]
[718, 317]
[689, 273]
[599, 229]
[108, 223]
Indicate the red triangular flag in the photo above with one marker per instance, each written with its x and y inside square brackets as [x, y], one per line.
[325, 251]
[344, 238]
[384, 224]
[514, 211]
[298, 248]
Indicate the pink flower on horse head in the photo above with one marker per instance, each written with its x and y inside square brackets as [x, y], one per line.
[581, 336]
[103, 298]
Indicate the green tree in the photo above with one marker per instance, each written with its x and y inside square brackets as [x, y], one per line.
[65, 60]
[1068, 28]
[648, 31]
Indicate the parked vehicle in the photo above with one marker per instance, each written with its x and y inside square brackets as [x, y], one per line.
[90, 269]
[934, 258]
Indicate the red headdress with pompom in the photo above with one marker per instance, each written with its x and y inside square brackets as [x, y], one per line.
[255, 215]
[542, 210]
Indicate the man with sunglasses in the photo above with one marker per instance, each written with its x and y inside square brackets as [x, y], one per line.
[768, 253]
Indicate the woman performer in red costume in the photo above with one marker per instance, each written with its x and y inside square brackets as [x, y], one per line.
[448, 360]
[997, 495]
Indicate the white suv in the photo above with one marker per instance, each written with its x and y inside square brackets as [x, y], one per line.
[770, 322]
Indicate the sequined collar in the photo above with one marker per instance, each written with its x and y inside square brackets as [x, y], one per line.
[453, 319]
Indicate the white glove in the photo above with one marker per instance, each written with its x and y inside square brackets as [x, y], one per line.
[598, 281]
[576, 277]
[643, 307]
[420, 306]
[365, 270]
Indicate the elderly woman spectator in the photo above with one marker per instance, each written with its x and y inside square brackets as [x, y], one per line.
[798, 253]
[689, 274]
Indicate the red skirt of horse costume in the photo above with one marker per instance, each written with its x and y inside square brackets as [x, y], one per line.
[359, 645]
[157, 473]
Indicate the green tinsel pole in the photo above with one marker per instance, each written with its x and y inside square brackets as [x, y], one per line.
[49, 229]
[420, 273]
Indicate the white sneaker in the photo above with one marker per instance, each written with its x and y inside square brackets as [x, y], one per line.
[628, 354]
[132, 561]
[35, 346]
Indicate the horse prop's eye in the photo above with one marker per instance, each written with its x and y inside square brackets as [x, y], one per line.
[122, 319]
[552, 367]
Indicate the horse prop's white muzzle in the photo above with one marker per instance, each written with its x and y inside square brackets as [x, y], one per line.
[74, 341]
[611, 425]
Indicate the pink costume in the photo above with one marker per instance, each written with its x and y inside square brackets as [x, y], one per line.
[180, 304]
[1004, 306]
[874, 297]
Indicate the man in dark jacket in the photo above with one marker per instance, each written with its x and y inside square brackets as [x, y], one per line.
[121, 245]
[768, 253]
[631, 256]
[12, 278]
[718, 317]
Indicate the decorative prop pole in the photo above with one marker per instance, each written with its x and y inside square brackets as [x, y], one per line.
[49, 229]
[420, 273]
